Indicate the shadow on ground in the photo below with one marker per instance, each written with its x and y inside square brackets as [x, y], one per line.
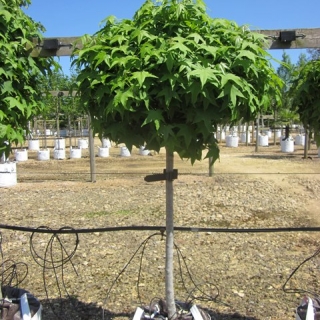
[279, 156]
[73, 309]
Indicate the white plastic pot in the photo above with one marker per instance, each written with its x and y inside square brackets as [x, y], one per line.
[83, 143]
[243, 137]
[277, 133]
[33, 144]
[21, 155]
[232, 141]
[103, 152]
[44, 155]
[124, 152]
[263, 141]
[221, 135]
[59, 143]
[143, 151]
[106, 143]
[8, 174]
[268, 133]
[59, 154]
[287, 145]
[300, 140]
[75, 153]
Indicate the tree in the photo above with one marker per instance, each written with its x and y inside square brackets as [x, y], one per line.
[285, 71]
[19, 98]
[314, 53]
[167, 78]
[305, 90]
[61, 107]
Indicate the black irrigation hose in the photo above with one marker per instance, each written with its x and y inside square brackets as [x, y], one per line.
[296, 290]
[48, 260]
[68, 230]
[53, 263]
[142, 245]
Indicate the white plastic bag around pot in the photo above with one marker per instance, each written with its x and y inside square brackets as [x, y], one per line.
[309, 309]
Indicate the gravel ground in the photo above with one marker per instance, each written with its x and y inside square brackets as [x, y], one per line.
[235, 275]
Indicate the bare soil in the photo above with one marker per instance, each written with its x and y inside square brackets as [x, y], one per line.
[233, 274]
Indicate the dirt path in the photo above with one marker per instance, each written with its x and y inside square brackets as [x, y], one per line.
[267, 189]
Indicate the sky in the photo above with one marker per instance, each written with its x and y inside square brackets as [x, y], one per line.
[63, 18]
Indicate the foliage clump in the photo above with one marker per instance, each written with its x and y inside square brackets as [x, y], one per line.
[171, 75]
[19, 99]
[305, 90]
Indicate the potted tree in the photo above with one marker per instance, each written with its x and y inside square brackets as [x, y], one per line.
[166, 79]
[20, 100]
[306, 96]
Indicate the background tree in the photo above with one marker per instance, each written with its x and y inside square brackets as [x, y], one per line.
[285, 112]
[167, 78]
[306, 97]
[62, 108]
[314, 53]
[19, 98]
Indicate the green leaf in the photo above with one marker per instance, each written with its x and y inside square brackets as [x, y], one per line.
[196, 37]
[205, 75]
[187, 135]
[140, 76]
[213, 153]
[7, 87]
[234, 93]
[154, 116]
[225, 78]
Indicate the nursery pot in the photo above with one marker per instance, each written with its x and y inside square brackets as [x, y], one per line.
[59, 154]
[59, 143]
[8, 174]
[33, 144]
[277, 133]
[243, 137]
[263, 141]
[143, 151]
[300, 140]
[83, 143]
[75, 153]
[232, 141]
[124, 152]
[106, 143]
[221, 135]
[103, 152]
[287, 145]
[21, 155]
[44, 155]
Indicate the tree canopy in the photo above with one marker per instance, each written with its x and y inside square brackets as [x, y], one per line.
[19, 98]
[306, 96]
[170, 75]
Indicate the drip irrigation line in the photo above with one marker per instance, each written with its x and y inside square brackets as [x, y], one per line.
[160, 228]
[180, 173]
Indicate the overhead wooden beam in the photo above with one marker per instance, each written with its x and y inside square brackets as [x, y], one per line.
[56, 93]
[306, 39]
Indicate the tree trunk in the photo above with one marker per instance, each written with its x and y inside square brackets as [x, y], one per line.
[257, 135]
[91, 151]
[210, 167]
[306, 142]
[169, 239]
